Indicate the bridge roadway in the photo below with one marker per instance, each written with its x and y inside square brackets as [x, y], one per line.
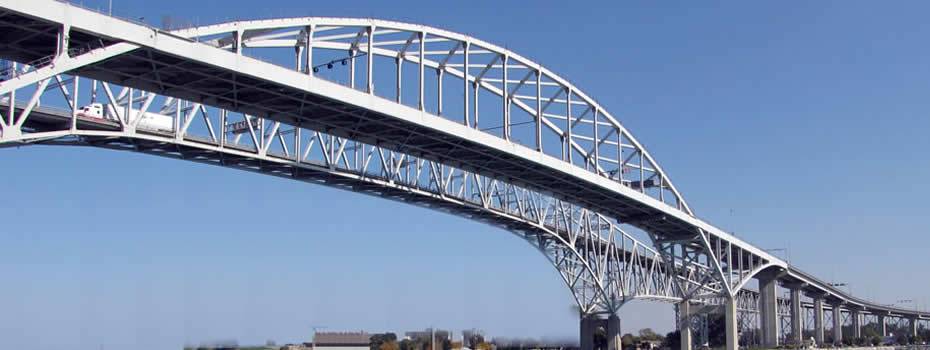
[178, 65]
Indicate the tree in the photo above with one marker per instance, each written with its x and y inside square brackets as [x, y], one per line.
[379, 339]
[649, 334]
[407, 344]
[389, 345]
[628, 340]
[673, 340]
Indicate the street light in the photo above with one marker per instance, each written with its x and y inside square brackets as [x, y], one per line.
[907, 301]
[787, 254]
[842, 284]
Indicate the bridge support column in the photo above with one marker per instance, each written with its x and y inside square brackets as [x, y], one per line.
[797, 331]
[856, 323]
[589, 324]
[882, 326]
[768, 300]
[912, 327]
[837, 324]
[818, 320]
[613, 333]
[732, 333]
[684, 324]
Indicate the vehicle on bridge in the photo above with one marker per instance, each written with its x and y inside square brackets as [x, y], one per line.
[153, 121]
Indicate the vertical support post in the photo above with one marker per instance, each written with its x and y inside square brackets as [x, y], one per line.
[297, 151]
[352, 52]
[422, 77]
[797, 330]
[238, 42]
[64, 36]
[588, 325]
[93, 91]
[684, 324]
[596, 151]
[613, 333]
[371, 59]
[539, 112]
[128, 115]
[768, 298]
[568, 129]
[224, 115]
[882, 326]
[74, 103]
[399, 61]
[477, 85]
[818, 320]
[308, 50]
[11, 108]
[465, 116]
[439, 74]
[505, 100]
[837, 324]
[732, 333]
[177, 118]
[856, 317]
[911, 327]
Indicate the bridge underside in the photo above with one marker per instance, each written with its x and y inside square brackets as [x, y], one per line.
[224, 108]
[193, 80]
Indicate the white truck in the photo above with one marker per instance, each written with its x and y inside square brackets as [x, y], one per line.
[150, 121]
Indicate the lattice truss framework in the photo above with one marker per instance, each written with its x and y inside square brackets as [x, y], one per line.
[521, 102]
[602, 265]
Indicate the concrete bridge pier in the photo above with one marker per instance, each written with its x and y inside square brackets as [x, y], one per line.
[797, 331]
[732, 333]
[856, 317]
[613, 333]
[684, 324]
[590, 324]
[882, 326]
[837, 323]
[818, 320]
[768, 305]
[912, 327]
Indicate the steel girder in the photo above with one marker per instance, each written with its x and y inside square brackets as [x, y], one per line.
[95, 56]
[542, 134]
[602, 265]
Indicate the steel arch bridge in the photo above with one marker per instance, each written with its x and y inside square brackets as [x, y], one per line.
[392, 110]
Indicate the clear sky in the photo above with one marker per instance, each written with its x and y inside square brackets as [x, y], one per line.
[798, 125]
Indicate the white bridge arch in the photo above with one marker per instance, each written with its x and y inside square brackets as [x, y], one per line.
[488, 134]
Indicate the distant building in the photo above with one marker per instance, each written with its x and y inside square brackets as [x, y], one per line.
[341, 341]
[428, 334]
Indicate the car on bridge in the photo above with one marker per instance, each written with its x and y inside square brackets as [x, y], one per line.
[153, 121]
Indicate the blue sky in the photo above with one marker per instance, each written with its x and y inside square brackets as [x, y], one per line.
[794, 125]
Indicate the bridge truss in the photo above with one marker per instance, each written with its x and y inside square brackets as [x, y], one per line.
[392, 110]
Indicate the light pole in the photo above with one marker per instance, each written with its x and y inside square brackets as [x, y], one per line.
[907, 301]
[787, 254]
[842, 284]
